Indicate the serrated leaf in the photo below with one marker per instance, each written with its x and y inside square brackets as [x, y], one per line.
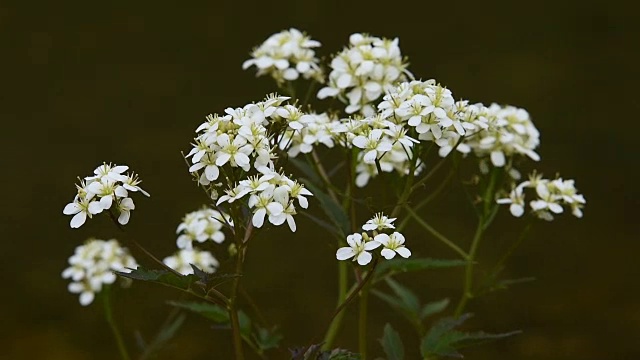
[394, 266]
[268, 338]
[212, 312]
[163, 277]
[433, 308]
[332, 209]
[443, 340]
[392, 343]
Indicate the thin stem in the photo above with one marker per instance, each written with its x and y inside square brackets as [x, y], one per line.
[356, 289]
[112, 324]
[233, 308]
[428, 199]
[468, 273]
[317, 164]
[336, 323]
[362, 322]
[500, 264]
[437, 235]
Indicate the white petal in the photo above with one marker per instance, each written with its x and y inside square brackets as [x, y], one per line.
[380, 238]
[95, 207]
[123, 219]
[222, 159]
[516, 210]
[258, 217]
[106, 202]
[364, 258]
[345, 253]
[78, 220]
[388, 253]
[370, 157]
[211, 172]
[275, 208]
[71, 208]
[370, 245]
[403, 251]
[497, 158]
[86, 298]
[291, 222]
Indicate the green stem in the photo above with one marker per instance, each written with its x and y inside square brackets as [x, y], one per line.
[428, 199]
[362, 322]
[354, 291]
[437, 235]
[336, 324]
[500, 264]
[468, 272]
[233, 307]
[112, 324]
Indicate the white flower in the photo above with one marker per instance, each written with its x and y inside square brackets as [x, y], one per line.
[392, 244]
[93, 264]
[111, 187]
[183, 259]
[357, 249]
[285, 56]
[124, 207]
[200, 226]
[81, 208]
[372, 144]
[516, 199]
[235, 151]
[379, 222]
[362, 72]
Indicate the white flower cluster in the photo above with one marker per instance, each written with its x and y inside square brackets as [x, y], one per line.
[182, 260]
[319, 129]
[361, 243]
[240, 137]
[552, 195]
[285, 56]
[271, 195]
[244, 137]
[508, 131]
[107, 188]
[93, 264]
[200, 226]
[362, 72]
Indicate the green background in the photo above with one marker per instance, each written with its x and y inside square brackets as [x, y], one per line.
[129, 82]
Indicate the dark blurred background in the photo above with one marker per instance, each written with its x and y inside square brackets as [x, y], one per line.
[129, 82]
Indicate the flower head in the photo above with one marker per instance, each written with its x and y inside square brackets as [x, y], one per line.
[93, 265]
[183, 259]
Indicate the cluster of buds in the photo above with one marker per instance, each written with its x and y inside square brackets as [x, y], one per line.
[93, 265]
[378, 232]
[108, 188]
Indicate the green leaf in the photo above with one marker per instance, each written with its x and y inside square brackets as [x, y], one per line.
[433, 308]
[408, 300]
[268, 338]
[392, 344]
[443, 340]
[245, 325]
[163, 277]
[405, 302]
[333, 210]
[394, 266]
[306, 169]
[212, 312]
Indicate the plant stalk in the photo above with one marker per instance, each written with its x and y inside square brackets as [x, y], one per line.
[112, 324]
